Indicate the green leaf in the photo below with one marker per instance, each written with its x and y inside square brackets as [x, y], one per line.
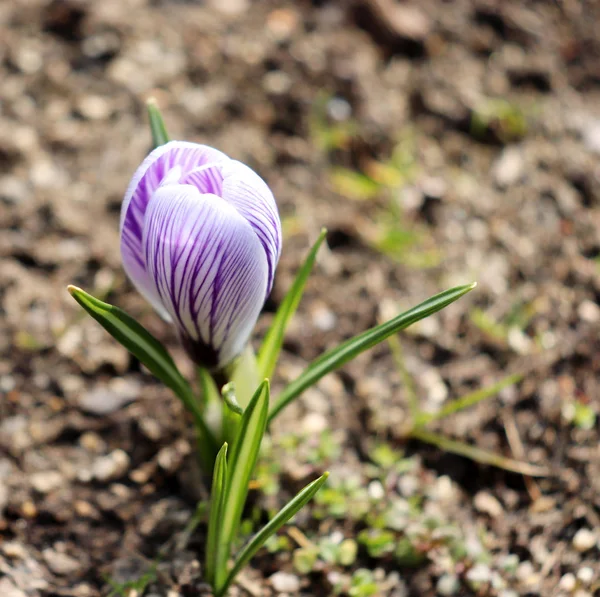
[467, 400]
[285, 514]
[214, 544]
[244, 454]
[157, 124]
[336, 357]
[271, 345]
[477, 454]
[143, 345]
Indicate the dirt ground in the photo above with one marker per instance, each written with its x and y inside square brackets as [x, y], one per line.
[440, 142]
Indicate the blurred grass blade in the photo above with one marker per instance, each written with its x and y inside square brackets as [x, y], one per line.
[468, 400]
[244, 454]
[478, 455]
[144, 346]
[157, 124]
[271, 345]
[283, 516]
[217, 494]
[348, 350]
[407, 381]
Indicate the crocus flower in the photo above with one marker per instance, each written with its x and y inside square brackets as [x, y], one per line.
[200, 240]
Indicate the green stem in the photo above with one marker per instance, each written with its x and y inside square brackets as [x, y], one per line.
[243, 372]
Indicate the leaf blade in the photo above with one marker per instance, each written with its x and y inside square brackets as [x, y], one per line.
[338, 356]
[468, 400]
[283, 516]
[244, 454]
[157, 124]
[145, 347]
[273, 340]
[478, 454]
[213, 543]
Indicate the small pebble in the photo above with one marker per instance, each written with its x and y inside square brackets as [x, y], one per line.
[94, 107]
[444, 490]
[584, 539]
[527, 574]
[28, 509]
[568, 582]
[589, 311]
[92, 442]
[283, 582]
[509, 168]
[376, 490]
[508, 593]
[60, 563]
[479, 574]
[14, 550]
[585, 575]
[46, 481]
[110, 467]
[277, 82]
[108, 398]
[314, 423]
[408, 485]
[170, 458]
[448, 585]
[487, 504]
[8, 589]
[323, 318]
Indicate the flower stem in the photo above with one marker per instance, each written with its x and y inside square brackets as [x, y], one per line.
[243, 372]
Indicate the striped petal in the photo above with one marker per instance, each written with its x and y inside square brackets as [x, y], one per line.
[207, 267]
[159, 163]
[252, 198]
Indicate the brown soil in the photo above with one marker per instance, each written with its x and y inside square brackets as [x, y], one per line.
[92, 457]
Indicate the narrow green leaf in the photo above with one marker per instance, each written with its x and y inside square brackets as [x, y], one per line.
[244, 454]
[336, 357]
[468, 400]
[144, 346]
[477, 454]
[217, 495]
[157, 124]
[273, 341]
[283, 516]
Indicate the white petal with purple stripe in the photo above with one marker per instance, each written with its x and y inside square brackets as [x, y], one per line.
[207, 267]
[200, 239]
[141, 188]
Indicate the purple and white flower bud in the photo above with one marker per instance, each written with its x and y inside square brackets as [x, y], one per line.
[200, 240]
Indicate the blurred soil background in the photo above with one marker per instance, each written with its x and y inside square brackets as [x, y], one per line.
[440, 142]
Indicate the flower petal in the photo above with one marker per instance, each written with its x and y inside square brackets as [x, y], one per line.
[207, 267]
[144, 183]
[252, 198]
